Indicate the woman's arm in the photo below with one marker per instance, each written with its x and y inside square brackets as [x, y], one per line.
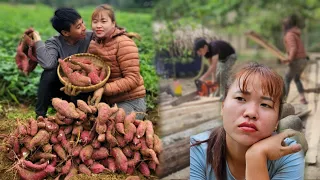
[270, 148]
[128, 59]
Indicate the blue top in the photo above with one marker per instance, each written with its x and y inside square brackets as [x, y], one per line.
[288, 167]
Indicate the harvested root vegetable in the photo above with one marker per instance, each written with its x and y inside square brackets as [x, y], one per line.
[41, 138]
[30, 175]
[141, 129]
[67, 167]
[120, 128]
[97, 168]
[157, 145]
[84, 169]
[100, 153]
[60, 151]
[83, 106]
[136, 159]
[32, 166]
[86, 153]
[64, 109]
[121, 159]
[144, 169]
[149, 134]
[73, 172]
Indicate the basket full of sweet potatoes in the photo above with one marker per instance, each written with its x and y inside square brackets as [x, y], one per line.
[83, 139]
[86, 72]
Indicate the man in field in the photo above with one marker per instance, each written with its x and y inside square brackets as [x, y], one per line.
[73, 39]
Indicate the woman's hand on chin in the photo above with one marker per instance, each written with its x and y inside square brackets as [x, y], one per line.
[273, 147]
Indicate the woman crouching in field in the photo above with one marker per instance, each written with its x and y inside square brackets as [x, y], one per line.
[245, 147]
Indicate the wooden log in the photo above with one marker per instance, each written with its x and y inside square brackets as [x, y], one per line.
[175, 120]
[258, 39]
[174, 157]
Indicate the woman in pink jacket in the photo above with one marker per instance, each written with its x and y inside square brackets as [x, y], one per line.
[297, 57]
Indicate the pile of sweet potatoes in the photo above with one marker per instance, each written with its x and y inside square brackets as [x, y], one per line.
[83, 139]
[80, 71]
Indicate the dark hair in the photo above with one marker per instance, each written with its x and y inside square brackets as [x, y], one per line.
[290, 22]
[63, 19]
[271, 82]
[110, 12]
[199, 43]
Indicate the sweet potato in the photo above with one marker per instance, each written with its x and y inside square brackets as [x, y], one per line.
[68, 129]
[127, 151]
[83, 106]
[96, 144]
[66, 146]
[97, 168]
[36, 167]
[130, 118]
[77, 130]
[51, 126]
[41, 138]
[103, 113]
[65, 68]
[60, 151]
[40, 155]
[130, 170]
[78, 79]
[144, 169]
[120, 158]
[64, 109]
[21, 128]
[41, 125]
[67, 167]
[120, 116]
[149, 134]
[101, 137]
[84, 169]
[136, 159]
[86, 137]
[76, 150]
[33, 127]
[68, 121]
[135, 147]
[53, 138]
[24, 152]
[141, 129]
[157, 144]
[103, 73]
[74, 58]
[111, 164]
[101, 127]
[145, 151]
[61, 135]
[88, 162]
[74, 67]
[72, 172]
[100, 153]
[120, 140]
[60, 116]
[86, 153]
[152, 165]
[82, 115]
[136, 140]
[28, 175]
[95, 79]
[120, 128]
[47, 148]
[110, 138]
[130, 131]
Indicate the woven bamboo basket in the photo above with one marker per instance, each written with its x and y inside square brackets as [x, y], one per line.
[97, 61]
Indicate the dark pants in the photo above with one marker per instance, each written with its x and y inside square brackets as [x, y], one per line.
[49, 87]
[294, 72]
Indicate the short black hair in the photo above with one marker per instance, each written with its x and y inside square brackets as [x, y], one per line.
[199, 43]
[63, 19]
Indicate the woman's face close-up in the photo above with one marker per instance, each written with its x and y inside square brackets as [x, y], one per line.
[249, 115]
[102, 24]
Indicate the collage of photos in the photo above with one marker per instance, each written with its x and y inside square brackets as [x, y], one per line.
[159, 90]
